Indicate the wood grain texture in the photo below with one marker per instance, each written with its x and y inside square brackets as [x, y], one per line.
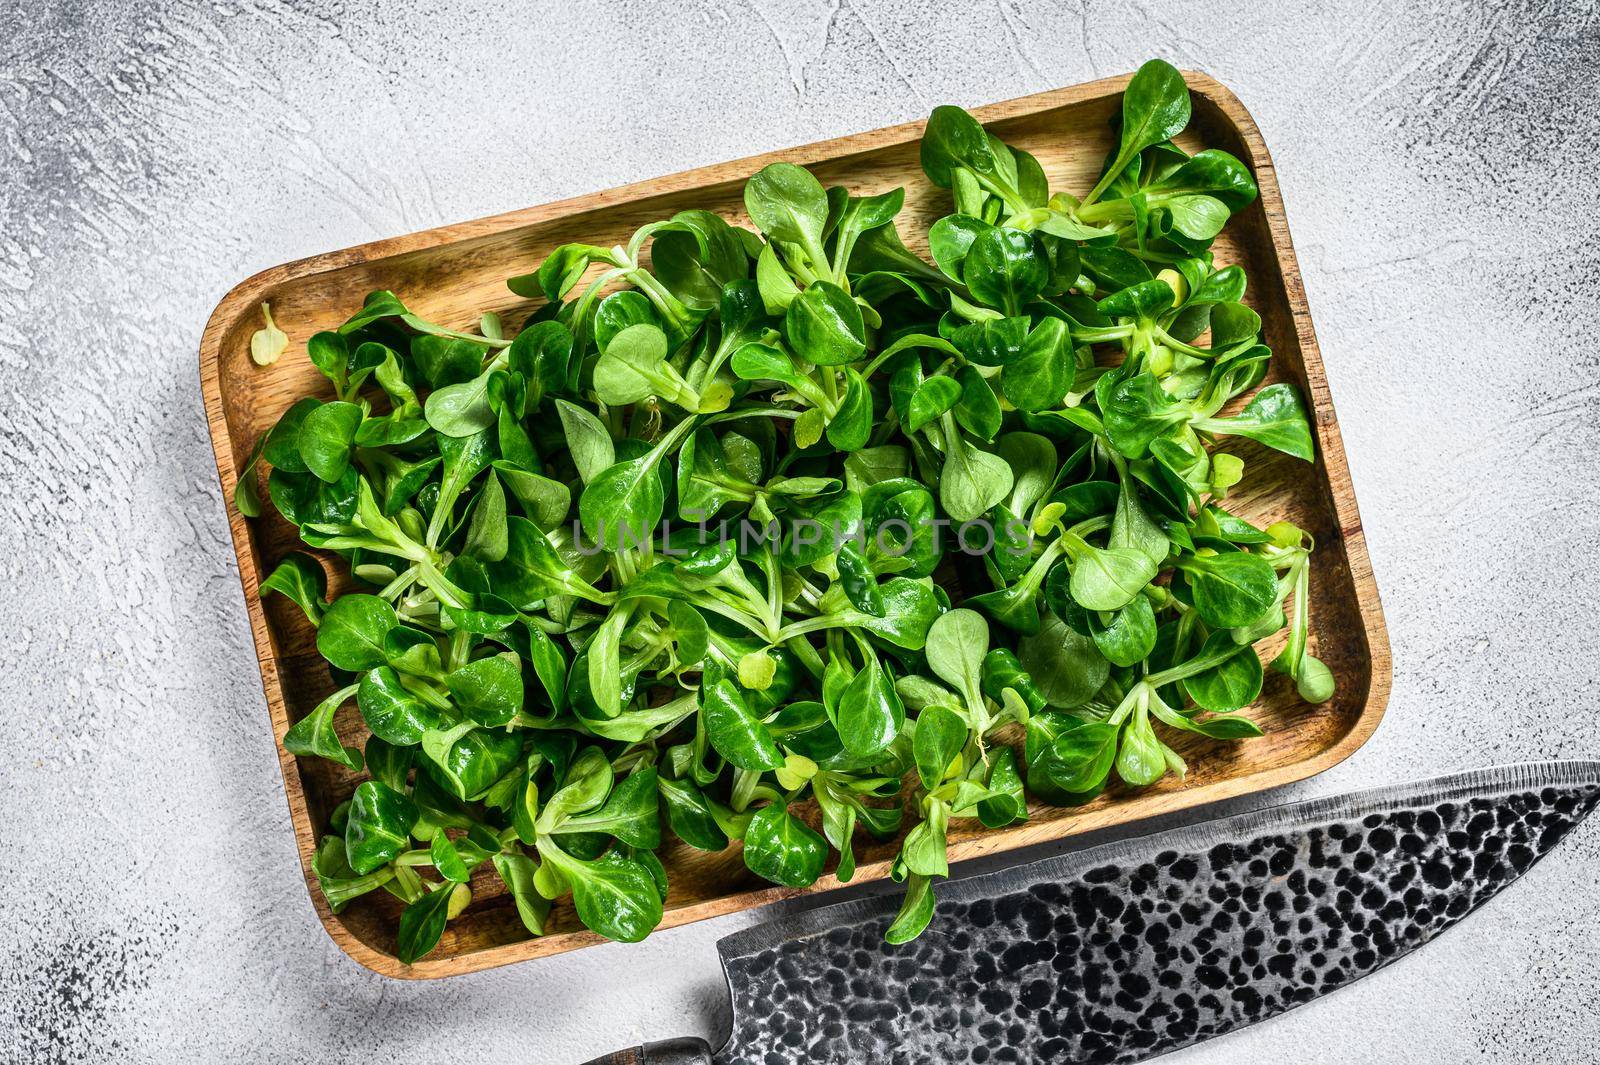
[452, 274]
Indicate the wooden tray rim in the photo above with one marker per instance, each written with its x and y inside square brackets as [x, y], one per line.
[246, 295]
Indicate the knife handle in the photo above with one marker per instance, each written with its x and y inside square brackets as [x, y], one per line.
[688, 1051]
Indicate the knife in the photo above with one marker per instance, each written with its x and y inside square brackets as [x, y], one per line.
[1129, 950]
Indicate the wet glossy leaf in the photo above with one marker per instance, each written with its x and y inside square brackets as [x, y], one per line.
[940, 735]
[823, 326]
[783, 849]
[379, 826]
[353, 630]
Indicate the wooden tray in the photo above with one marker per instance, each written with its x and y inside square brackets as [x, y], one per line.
[450, 275]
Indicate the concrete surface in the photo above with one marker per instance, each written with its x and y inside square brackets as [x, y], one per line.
[1437, 164]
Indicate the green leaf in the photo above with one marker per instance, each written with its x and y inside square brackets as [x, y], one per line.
[733, 729]
[1136, 411]
[489, 690]
[1274, 417]
[932, 398]
[541, 353]
[449, 861]
[1230, 685]
[823, 325]
[925, 850]
[545, 501]
[1143, 301]
[787, 204]
[776, 287]
[992, 341]
[392, 711]
[1315, 681]
[327, 439]
[631, 814]
[246, 490]
[463, 409]
[696, 256]
[691, 635]
[940, 735]
[422, 924]
[560, 270]
[1140, 760]
[532, 570]
[282, 447]
[1065, 665]
[443, 361]
[517, 873]
[898, 520]
[859, 582]
[972, 481]
[909, 608]
[588, 441]
[851, 425]
[339, 883]
[690, 815]
[615, 896]
[978, 411]
[1233, 323]
[763, 362]
[379, 826]
[622, 506]
[783, 849]
[956, 644]
[1109, 578]
[862, 213]
[314, 733]
[1060, 224]
[633, 367]
[1044, 371]
[300, 577]
[916, 910]
[954, 139]
[388, 763]
[585, 785]
[1002, 671]
[1212, 172]
[1227, 728]
[1196, 217]
[1155, 107]
[1129, 636]
[812, 528]
[951, 238]
[620, 310]
[486, 532]
[1007, 804]
[1230, 590]
[549, 664]
[413, 651]
[468, 760]
[870, 712]
[1132, 528]
[353, 630]
[1079, 760]
[464, 457]
[1004, 269]
[330, 353]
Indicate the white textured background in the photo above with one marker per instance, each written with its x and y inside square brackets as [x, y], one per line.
[1437, 162]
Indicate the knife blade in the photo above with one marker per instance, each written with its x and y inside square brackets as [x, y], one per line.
[1129, 950]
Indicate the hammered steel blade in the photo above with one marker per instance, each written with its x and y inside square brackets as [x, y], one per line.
[1133, 949]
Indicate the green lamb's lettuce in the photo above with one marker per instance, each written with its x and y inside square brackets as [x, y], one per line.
[769, 537]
